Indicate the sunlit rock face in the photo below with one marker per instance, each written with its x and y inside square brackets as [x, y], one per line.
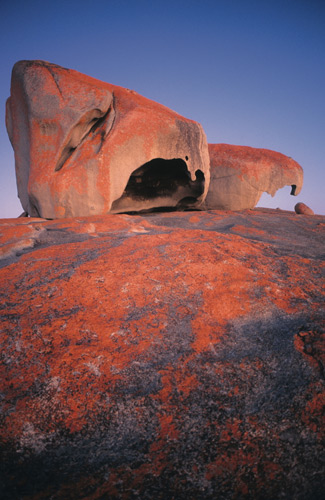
[240, 174]
[86, 147]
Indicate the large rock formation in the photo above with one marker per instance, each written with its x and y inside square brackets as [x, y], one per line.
[240, 174]
[86, 147]
[175, 355]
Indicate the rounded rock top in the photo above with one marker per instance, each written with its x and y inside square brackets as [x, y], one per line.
[302, 209]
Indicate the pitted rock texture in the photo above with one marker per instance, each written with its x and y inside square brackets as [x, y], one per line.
[171, 355]
[86, 147]
[240, 174]
[302, 209]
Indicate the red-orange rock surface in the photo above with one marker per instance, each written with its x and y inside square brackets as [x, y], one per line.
[302, 209]
[240, 174]
[86, 147]
[172, 355]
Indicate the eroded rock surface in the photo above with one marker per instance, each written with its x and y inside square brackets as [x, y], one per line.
[176, 355]
[240, 174]
[86, 147]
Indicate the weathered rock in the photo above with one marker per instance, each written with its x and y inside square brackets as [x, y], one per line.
[301, 208]
[176, 355]
[240, 174]
[86, 147]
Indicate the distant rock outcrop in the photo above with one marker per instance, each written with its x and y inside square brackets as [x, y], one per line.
[240, 174]
[86, 147]
[302, 209]
[172, 355]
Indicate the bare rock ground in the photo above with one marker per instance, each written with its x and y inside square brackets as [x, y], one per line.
[169, 355]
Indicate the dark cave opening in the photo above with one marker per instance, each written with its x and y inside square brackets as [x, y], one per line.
[161, 182]
[161, 177]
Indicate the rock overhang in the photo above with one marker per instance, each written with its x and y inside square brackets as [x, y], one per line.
[161, 184]
[240, 174]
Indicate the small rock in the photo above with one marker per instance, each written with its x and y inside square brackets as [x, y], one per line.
[302, 209]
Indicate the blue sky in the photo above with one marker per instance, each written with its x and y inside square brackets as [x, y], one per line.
[251, 72]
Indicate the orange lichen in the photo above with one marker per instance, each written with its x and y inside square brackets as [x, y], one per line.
[164, 350]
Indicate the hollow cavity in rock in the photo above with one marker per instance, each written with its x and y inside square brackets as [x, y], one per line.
[160, 183]
[89, 123]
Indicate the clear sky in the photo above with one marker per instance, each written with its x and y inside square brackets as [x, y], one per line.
[252, 72]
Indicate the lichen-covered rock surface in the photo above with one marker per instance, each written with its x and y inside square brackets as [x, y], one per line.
[84, 147]
[170, 356]
[240, 174]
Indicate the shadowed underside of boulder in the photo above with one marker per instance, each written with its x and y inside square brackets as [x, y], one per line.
[176, 355]
[240, 174]
[82, 146]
